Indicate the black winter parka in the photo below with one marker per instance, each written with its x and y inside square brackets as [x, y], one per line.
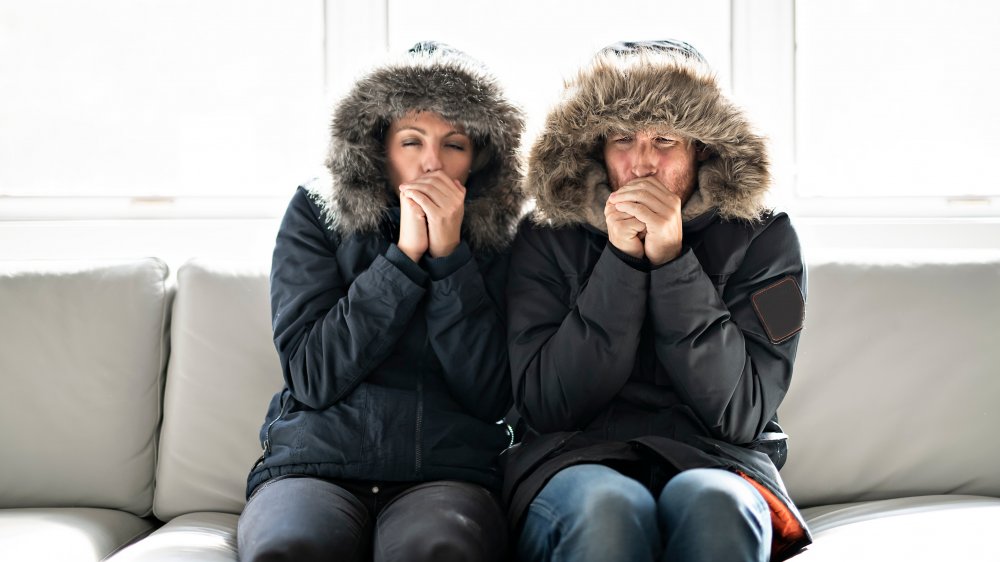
[394, 370]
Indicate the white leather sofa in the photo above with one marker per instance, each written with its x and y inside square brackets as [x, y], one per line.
[130, 402]
[894, 411]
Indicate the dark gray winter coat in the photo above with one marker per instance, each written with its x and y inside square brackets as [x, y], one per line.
[653, 370]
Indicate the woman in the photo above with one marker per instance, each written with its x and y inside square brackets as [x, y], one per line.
[387, 288]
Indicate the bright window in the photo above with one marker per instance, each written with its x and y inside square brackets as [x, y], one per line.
[151, 99]
[533, 45]
[897, 99]
[147, 108]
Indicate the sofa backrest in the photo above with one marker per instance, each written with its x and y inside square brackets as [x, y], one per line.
[82, 352]
[896, 389]
[223, 370]
[895, 393]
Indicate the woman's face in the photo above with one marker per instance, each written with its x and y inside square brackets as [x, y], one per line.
[422, 142]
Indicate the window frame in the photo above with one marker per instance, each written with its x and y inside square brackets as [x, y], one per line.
[762, 73]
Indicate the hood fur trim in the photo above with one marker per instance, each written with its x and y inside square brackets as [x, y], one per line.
[665, 90]
[356, 196]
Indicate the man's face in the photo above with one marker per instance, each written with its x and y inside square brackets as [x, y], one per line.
[667, 157]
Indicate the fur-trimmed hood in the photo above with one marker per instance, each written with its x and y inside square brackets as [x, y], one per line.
[433, 77]
[630, 86]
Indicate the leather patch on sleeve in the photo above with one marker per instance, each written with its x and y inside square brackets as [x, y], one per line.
[780, 309]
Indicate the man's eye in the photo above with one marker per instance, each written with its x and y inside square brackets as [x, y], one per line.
[665, 141]
[623, 140]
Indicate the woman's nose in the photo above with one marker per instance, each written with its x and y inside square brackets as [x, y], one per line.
[431, 160]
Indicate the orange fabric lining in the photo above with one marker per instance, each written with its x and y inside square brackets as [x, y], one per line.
[786, 528]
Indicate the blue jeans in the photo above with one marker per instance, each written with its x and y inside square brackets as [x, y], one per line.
[591, 512]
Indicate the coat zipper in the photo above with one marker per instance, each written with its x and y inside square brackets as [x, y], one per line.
[281, 413]
[418, 461]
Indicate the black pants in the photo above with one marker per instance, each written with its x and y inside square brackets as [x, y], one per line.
[303, 519]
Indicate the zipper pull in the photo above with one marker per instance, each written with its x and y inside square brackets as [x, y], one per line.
[259, 462]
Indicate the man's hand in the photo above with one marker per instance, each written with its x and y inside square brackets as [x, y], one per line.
[659, 210]
[442, 201]
[624, 230]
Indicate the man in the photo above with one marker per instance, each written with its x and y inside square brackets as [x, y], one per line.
[654, 307]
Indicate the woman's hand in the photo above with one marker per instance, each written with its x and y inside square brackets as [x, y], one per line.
[412, 229]
[442, 200]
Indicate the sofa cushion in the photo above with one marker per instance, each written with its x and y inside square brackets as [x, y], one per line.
[930, 528]
[66, 534]
[223, 370]
[206, 537]
[82, 351]
[896, 389]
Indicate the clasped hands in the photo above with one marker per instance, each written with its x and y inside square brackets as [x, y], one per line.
[644, 219]
[431, 209]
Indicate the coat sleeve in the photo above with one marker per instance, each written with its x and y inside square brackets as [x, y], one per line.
[715, 349]
[330, 334]
[467, 327]
[566, 351]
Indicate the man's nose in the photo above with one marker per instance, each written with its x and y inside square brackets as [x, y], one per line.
[644, 160]
[431, 159]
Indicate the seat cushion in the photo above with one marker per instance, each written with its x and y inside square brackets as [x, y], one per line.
[66, 534]
[223, 371]
[82, 353]
[205, 537]
[895, 388]
[930, 528]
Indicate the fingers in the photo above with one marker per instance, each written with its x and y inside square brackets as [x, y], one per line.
[628, 228]
[639, 211]
[412, 229]
[625, 219]
[663, 235]
[611, 209]
[647, 202]
[442, 200]
[623, 222]
[409, 204]
[649, 181]
[655, 198]
[439, 189]
[626, 233]
[418, 199]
